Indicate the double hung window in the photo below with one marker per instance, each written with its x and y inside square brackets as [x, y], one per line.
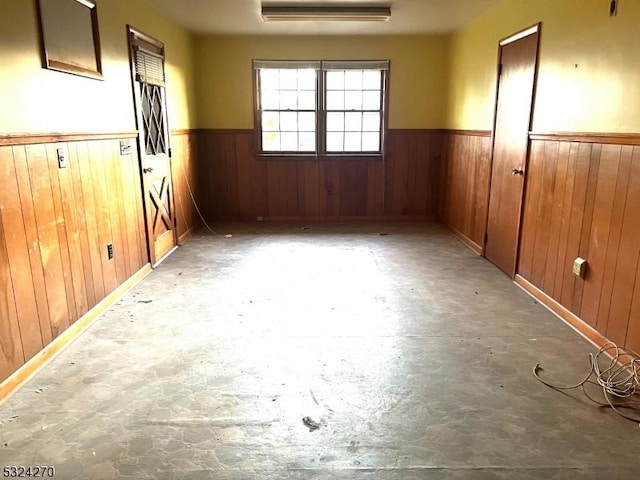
[320, 107]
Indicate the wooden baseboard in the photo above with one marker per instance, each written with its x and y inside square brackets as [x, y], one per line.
[571, 319]
[477, 249]
[9, 386]
[184, 238]
[352, 218]
[313, 219]
[576, 323]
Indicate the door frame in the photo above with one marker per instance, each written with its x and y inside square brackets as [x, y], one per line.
[137, 106]
[535, 28]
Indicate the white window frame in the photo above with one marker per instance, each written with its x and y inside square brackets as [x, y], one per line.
[321, 111]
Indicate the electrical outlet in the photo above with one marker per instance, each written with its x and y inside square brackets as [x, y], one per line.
[125, 147]
[110, 250]
[579, 267]
[62, 159]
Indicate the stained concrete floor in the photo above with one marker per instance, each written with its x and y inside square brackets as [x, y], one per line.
[413, 355]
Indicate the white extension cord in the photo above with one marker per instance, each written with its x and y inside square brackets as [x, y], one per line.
[616, 371]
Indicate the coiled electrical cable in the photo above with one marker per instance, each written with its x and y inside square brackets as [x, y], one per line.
[616, 371]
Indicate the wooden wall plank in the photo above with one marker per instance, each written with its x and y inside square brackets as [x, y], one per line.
[544, 213]
[178, 147]
[244, 161]
[61, 224]
[551, 264]
[564, 263]
[275, 193]
[11, 351]
[259, 193]
[353, 188]
[578, 209]
[483, 179]
[375, 190]
[424, 196]
[225, 175]
[97, 161]
[128, 167]
[469, 193]
[633, 329]
[599, 231]
[615, 221]
[290, 184]
[136, 187]
[535, 170]
[204, 166]
[47, 223]
[117, 209]
[397, 176]
[307, 189]
[192, 173]
[91, 219]
[622, 326]
[78, 206]
[329, 190]
[19, 249]
[587, 216]
[412, 183]
[33, 241]
[76, 251]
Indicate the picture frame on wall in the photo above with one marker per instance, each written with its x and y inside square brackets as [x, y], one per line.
[69, 36]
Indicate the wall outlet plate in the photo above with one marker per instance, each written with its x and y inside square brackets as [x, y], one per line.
[125, 147]
[62, 158]
[579, 267]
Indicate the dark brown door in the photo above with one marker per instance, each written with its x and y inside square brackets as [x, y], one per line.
[517, 72]
[149, 91]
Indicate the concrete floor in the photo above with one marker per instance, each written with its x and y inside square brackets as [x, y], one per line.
[413, 355]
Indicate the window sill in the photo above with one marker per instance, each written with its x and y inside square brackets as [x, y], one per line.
[313, 157]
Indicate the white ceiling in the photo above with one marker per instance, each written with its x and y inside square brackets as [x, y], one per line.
[242, 17]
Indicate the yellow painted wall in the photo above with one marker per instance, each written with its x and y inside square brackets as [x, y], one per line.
[36, 100]
[418, 79]
[589, 77]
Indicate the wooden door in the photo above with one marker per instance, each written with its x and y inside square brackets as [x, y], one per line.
[516, 82]
[147, 55]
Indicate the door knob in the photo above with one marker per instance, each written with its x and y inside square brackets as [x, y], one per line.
[150, 169]
[517, 171]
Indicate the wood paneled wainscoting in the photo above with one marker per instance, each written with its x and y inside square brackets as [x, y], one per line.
[235, 184]
[466, 173]
[184, 148]
[55, 225]
[583, 199]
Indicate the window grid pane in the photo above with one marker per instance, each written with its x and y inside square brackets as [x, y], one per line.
[288, 104]
[353, 110]
[288, 110]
